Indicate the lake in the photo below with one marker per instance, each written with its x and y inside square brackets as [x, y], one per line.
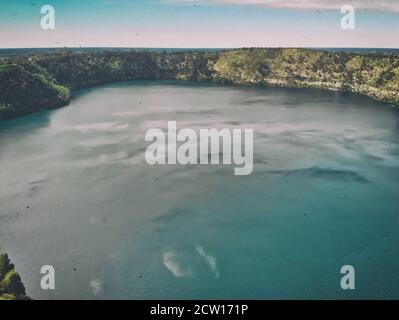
[77, 194]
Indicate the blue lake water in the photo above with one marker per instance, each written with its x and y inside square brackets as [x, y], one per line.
[76, 193]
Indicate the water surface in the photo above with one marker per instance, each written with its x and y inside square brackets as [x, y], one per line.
[76, 193]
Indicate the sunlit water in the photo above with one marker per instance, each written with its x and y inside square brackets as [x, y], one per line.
[76, 193]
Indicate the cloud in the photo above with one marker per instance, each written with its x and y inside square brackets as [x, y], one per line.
[211, 260]
[369, 5]
[96, 286]
[170, 262]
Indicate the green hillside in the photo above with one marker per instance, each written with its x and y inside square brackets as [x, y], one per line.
[30, 83]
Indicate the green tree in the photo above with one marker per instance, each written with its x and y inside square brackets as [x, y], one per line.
[11, 286]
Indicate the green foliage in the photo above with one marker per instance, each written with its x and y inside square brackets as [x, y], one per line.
[12, 283]
[63, 92]
[8, 296]
[26, 88]
[374, 75]
[11, 286]
[4, 67]
[44, 81]
[5, 265]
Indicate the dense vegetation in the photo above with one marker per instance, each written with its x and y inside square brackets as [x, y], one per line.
[26, 88]
[11, 287]
[42, 81]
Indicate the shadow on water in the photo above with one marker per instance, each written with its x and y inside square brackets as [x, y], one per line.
[324, 173]
[26, 123]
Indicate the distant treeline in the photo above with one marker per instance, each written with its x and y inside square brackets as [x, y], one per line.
[32, 82]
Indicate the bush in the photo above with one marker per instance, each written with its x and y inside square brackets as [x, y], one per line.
[11, 286]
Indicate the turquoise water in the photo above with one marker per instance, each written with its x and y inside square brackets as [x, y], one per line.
[77, 194]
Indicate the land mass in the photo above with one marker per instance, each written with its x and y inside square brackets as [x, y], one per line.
[34, 82]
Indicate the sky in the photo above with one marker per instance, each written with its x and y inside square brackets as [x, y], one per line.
[199, 23]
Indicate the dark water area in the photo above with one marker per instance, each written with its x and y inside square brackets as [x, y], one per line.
[76, 193]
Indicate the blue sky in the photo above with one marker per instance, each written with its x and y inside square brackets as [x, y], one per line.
[202, 24]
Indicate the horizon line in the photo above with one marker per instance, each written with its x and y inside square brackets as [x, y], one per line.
[213, 48]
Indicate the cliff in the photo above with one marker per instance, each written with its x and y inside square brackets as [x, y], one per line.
[35, 82]
[374, 75]
[27, 88]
